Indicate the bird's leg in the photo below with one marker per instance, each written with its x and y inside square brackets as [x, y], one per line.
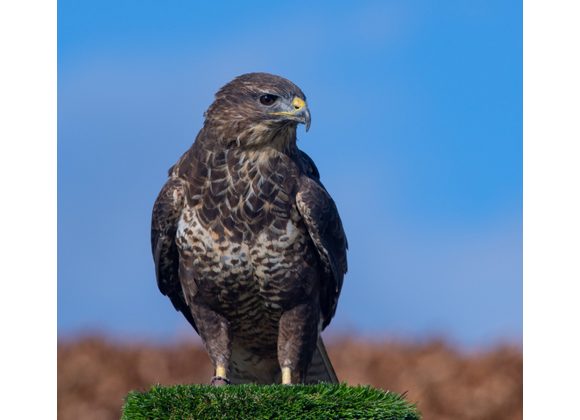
[298, 332]
[214, 330]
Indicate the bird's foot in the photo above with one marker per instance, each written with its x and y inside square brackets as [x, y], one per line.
[286, 376]
[219, 381]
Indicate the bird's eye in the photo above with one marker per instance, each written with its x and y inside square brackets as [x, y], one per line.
[268, 99]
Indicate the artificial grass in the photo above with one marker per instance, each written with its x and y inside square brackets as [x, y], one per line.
[322, 401]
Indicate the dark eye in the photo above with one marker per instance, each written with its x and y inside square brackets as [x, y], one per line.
[268, 99]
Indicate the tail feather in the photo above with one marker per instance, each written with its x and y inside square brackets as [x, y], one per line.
[248, 368]
[320, 369]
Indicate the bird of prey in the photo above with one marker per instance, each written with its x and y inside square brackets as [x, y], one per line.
[247, 242]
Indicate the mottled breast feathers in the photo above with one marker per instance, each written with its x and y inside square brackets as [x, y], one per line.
[316, 207]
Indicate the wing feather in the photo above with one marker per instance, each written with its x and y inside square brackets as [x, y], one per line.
[325, 228]
[166, 213]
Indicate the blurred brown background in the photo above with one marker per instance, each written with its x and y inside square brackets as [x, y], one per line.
[94, 375]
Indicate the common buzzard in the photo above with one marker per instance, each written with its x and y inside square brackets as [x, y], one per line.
[247, 242]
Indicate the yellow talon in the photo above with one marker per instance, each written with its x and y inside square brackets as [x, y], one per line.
[220, 371]
[286, 376]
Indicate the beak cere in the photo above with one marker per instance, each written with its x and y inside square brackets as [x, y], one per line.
[298, 103]
[296, 111]
[301, 111]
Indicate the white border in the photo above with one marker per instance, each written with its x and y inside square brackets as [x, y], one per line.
[28, 209]
[551, 208]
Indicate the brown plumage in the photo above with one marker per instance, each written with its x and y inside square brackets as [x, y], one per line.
[247, 242]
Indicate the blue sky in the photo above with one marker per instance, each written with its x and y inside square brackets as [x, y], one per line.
[416, 130]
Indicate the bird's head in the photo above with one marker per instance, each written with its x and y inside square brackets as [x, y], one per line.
[258, 109]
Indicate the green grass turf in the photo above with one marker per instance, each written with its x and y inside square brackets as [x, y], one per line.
[322, 401]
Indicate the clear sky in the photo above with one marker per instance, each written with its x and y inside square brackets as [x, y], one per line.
[416, 130]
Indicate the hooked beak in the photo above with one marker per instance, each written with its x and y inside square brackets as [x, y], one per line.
[305, 115]
[298, 111]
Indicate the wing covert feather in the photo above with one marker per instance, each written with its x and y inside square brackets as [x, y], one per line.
[325, 228]
[166, 213]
